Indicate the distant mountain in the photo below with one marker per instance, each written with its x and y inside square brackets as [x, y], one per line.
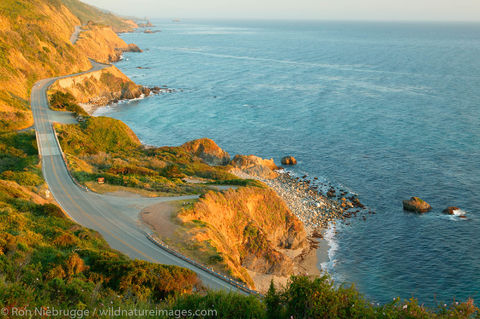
[87, 13]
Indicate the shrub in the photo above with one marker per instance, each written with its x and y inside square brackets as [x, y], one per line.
[65, 101]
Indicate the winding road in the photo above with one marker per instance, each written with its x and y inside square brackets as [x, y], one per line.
[116, 218]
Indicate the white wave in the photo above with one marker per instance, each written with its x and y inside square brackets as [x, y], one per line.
[329, 236]
[458, 215]
[102, 110]
[108, 108]
[459, 212]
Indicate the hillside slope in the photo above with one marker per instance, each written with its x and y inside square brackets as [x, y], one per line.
[46, 259]
[35, 44]
[32, 51]
[102, 44]
[248, 228]
[87, 13]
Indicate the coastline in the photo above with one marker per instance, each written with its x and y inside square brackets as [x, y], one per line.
[315, 216]
[316, 212]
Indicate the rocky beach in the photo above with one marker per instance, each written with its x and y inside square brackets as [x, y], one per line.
[307, 201]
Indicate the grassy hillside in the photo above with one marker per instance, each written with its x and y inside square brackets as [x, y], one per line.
[32, 51]
[102, 44]
[35, 44]
[46, 259]
[88, 13]
[105, 147]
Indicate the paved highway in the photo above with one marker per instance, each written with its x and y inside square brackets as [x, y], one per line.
[116, 218]
[75, 34]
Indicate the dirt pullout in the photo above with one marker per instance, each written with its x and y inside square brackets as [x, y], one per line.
[158, 218]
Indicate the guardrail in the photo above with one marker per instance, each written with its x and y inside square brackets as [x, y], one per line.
[227, 279]
[163, 246]
[37, 138]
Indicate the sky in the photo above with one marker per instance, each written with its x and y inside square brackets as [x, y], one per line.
[396, 10]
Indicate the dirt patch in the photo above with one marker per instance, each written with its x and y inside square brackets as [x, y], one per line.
[123, 191]
[158, 218]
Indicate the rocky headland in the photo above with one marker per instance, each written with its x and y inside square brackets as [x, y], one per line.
[104, 87]
[102, 44]
[257, 234]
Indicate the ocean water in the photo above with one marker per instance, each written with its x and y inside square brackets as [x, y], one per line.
[386, 110]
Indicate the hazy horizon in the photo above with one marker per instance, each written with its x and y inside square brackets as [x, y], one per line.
[368, 10]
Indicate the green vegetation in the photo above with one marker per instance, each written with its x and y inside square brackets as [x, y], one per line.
[46, 259]
[319, 298]
[105, 147]
[243, 182]
[88, 13]
[60, 101]
[19, 159]
[305, 298]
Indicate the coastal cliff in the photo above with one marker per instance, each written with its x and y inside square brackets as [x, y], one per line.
[249, 228]
[102, 44]
[47, 259]
[99, 88]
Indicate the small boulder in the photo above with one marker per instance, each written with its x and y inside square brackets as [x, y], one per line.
[450, 210]
[289, 160]
[208, 151]
[416, 204]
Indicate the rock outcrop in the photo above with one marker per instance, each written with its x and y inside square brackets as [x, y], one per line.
[289, 160]
[254, 166]
[416, 204]
[148, 24]
[450, 210]
[208, 151]
[132, 48]
[249, 227]
[102, 44]
[99, 88]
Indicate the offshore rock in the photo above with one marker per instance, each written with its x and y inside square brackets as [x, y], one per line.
[416, 204]
[450, 210]
[289, 160]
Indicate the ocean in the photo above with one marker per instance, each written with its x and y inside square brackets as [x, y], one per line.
[385, 110]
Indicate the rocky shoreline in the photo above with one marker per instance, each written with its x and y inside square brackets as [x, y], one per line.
[306, 200]
[102, 101]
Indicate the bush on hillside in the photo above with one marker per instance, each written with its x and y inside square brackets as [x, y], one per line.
[66, 102]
